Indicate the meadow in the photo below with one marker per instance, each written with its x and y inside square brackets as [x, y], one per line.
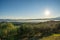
[49, 30]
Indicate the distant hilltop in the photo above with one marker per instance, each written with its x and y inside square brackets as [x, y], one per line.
[57, 18]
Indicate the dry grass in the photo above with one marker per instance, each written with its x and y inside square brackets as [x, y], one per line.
[52, 37]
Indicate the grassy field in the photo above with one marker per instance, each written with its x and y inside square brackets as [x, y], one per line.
[52, 37]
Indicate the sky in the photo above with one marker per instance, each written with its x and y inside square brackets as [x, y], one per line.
[29, 9]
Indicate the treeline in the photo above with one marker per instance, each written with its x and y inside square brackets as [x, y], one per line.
[28, 31]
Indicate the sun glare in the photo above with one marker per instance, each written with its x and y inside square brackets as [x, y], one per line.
[47, 12]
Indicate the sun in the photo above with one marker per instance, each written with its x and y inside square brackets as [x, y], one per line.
[47, 12]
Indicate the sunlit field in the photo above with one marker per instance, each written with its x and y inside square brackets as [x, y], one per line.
[49, 30]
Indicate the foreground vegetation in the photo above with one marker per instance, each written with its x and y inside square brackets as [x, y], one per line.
[30, 31]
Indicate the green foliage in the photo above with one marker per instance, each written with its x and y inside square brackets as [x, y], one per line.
[7, 29]
[28, 31]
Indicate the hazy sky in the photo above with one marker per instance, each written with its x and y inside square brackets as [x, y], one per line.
[28, 8]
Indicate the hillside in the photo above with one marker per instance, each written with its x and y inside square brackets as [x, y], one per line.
[30, 31]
